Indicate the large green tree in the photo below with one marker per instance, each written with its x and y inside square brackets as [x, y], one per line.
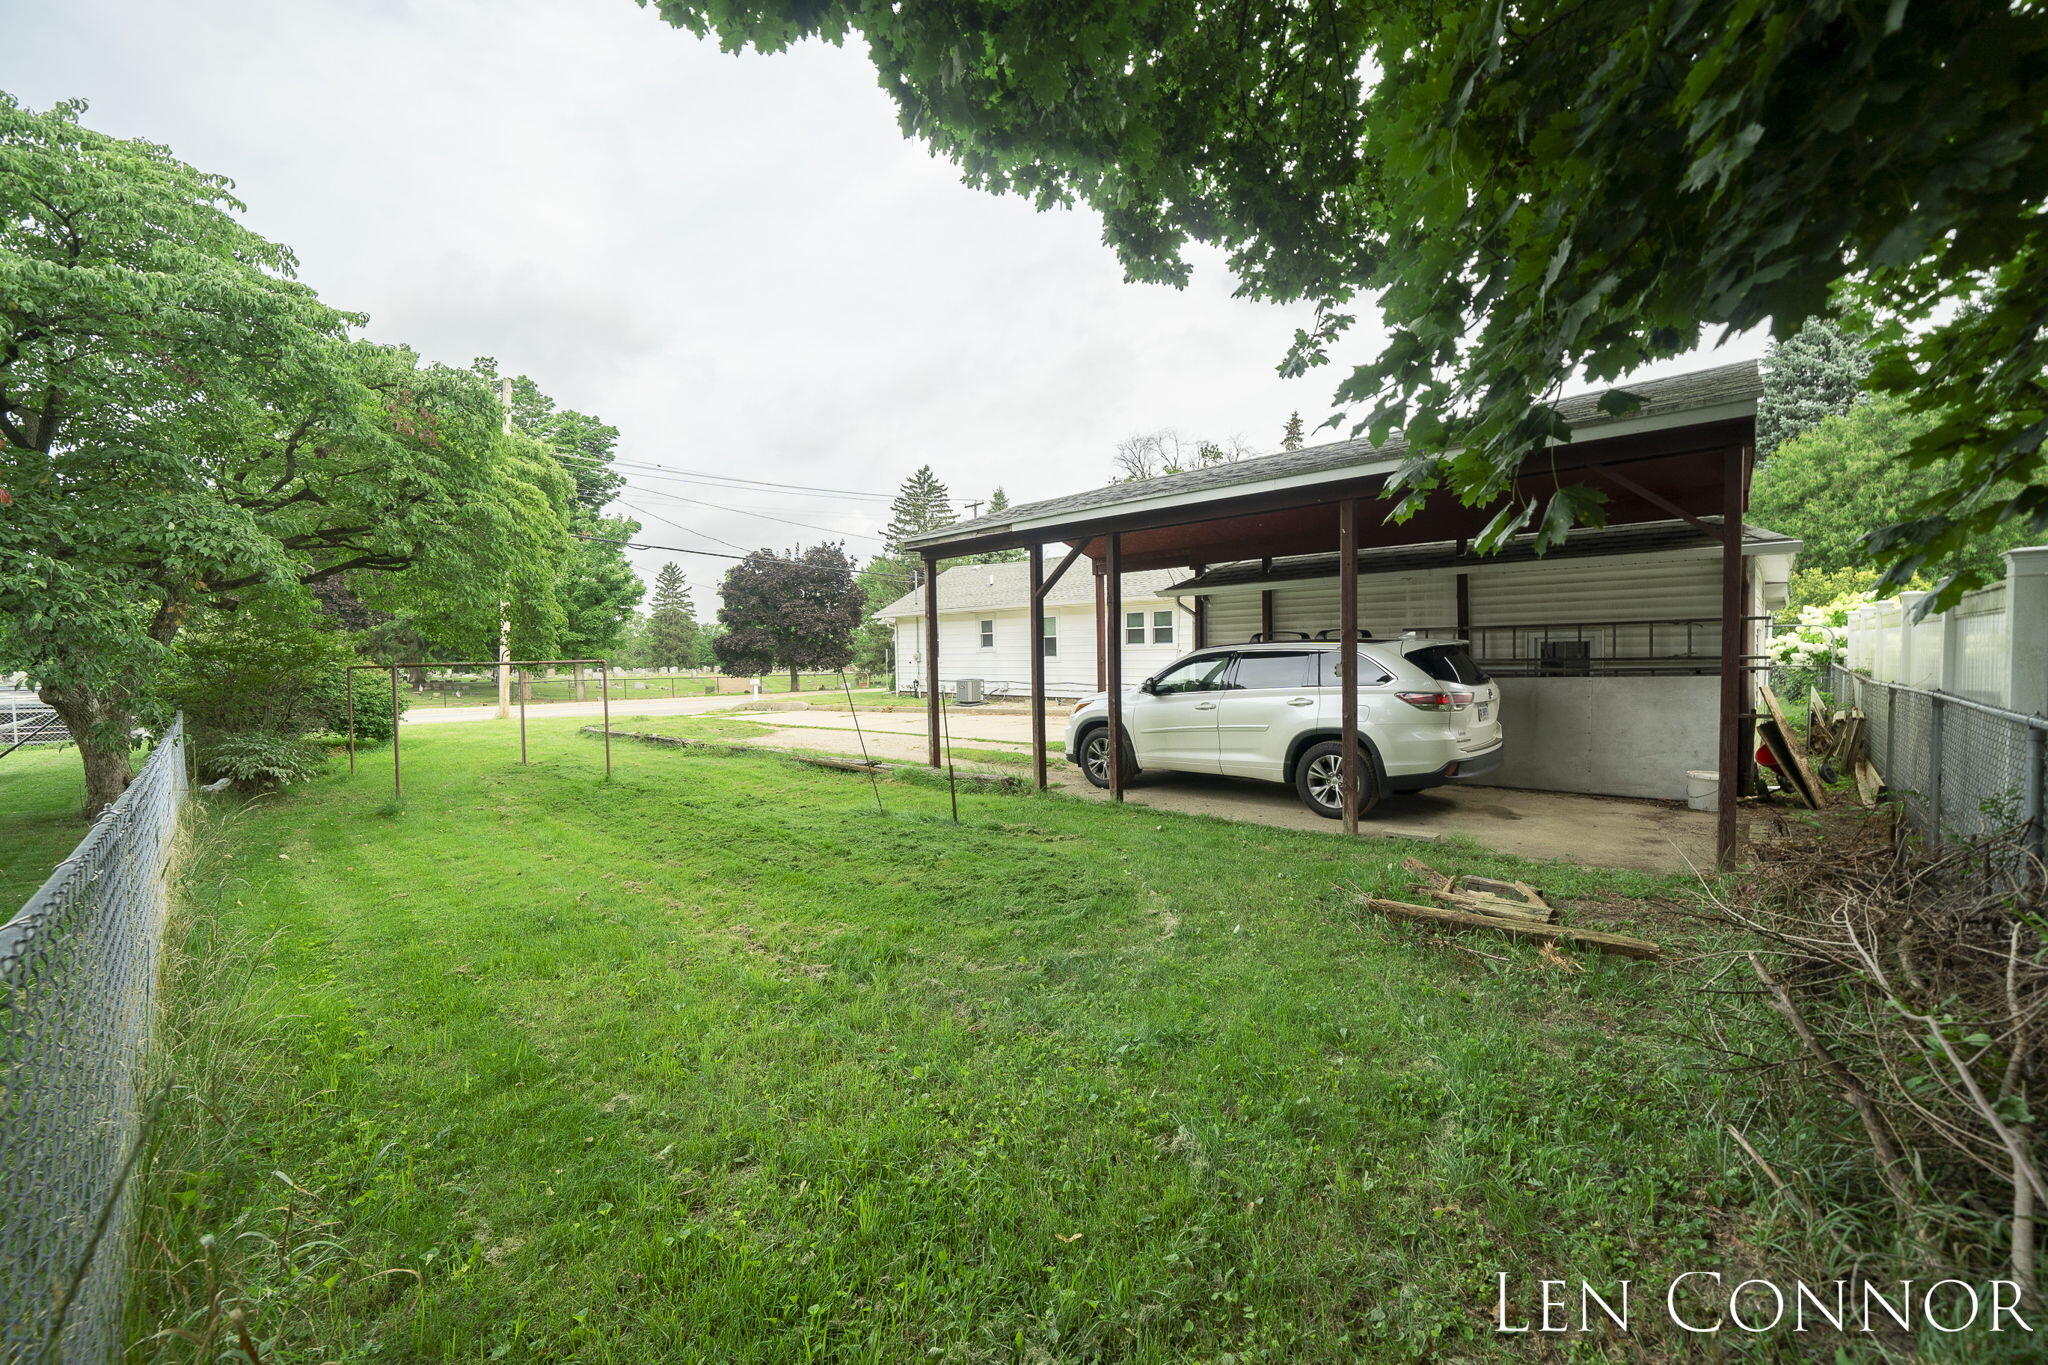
[182, 423]
[669, 639]
[1525, 193]
[792, 611]
[1847, 476]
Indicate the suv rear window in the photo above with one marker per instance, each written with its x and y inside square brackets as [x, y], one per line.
[1449, 663]
[1371, 672]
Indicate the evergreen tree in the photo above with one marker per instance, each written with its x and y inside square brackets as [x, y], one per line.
[670, 637]
[998, 502]
[1291, 435]
[1817, 374]
[922, 504]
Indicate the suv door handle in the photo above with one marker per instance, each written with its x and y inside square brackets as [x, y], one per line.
[1205, 706]
[1302, 701]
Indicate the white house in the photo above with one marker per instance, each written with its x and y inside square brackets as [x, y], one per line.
[984, 628]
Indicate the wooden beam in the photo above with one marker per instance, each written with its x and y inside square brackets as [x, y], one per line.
[1101, 633]
[1113, 588]
[1036, 645]
[1201, 623]
[1655, 499]
[1045, 586]
[1733, 740]
[931, 659]
[1465, 605]
[1266, 615]
[1347, 635]
[1618, 944]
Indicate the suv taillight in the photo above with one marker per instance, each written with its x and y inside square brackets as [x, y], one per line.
[1436, 701]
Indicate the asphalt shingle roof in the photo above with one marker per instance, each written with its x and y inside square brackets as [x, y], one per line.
[1680, 393]
[967, 586]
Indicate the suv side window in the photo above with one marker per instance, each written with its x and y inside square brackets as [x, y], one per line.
[1203, 673]
[1371, 672]
[1263, 669]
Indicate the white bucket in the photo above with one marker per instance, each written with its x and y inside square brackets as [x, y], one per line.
[1702, 790]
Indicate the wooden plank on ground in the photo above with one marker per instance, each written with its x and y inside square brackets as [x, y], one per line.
[1481, 904]
[1869, 786]
[1849, 733]
[1618, 944]
[1807, 785]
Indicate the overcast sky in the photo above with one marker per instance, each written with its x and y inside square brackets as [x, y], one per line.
[738, 261]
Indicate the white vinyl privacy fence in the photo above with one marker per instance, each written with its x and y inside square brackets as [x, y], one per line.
[1992, 647]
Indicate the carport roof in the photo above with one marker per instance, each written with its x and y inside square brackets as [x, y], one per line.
[1644, 538]
[1724, 392]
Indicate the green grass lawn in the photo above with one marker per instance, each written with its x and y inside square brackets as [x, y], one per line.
[716, 1062]
[42, 795]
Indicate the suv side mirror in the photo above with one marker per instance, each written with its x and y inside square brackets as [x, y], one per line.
[1149, 687]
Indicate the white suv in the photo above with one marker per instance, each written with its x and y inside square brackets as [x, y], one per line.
[1427, 714]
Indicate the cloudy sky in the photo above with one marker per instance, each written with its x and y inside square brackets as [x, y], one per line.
[738, 261]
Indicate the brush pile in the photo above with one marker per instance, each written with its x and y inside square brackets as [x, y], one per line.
[1913, 983]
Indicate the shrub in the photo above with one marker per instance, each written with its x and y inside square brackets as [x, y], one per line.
[271, 668]
[258, 761]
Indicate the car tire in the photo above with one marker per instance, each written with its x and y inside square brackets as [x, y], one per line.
[1318, 775]
[1095, 757]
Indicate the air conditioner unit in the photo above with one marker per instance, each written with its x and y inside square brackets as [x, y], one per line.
[967, 692]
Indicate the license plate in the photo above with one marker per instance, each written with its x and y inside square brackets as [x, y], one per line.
[1485, 709]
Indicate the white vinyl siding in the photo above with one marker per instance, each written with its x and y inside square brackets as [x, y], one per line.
[1006, 664]
[1387, 603]
[1231, 618]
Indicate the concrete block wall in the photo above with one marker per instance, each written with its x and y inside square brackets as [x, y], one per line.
[1607, 736]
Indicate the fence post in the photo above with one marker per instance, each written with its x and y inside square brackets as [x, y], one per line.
[2036, 805]
[2026, 604]
[1935, 712]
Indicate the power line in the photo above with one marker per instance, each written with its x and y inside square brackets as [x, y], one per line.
[759, 483]
[741, 511]
[908, 583]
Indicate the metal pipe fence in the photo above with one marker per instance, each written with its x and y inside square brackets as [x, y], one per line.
[78, 986]
[1961, 767]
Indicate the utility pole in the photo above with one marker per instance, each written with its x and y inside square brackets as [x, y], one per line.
[504, 606]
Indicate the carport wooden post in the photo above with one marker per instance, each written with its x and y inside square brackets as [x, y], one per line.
[1036, 644]
[1734, 666]
[1101, 633]
[1347, 654]
[931, 658]
[1112, 582]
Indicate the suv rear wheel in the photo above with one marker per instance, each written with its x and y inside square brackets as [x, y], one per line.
[1319, 780]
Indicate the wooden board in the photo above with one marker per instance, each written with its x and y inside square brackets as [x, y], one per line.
[1791, 771]
[1480, 904]
[1849, 733]
[1869, 786]
[1787, 752]
[1819, 734]
[1618, 944]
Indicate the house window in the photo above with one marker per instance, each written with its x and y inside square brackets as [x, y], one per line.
[988, 635]
[1162, 627]
[1134, 628]
[1050, 640]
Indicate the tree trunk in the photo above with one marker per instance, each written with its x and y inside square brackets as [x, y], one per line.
[793, 683]
[100, 726]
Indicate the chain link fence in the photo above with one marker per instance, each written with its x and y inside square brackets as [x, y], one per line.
[78, 982]
[1961, 768]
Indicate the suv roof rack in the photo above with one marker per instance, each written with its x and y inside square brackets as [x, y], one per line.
[1331, 634]
[1262, 639]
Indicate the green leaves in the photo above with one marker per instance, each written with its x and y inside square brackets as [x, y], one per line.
[1535, 192]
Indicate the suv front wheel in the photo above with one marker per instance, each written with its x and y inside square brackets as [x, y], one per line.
[1319, 780]
[1095, 757]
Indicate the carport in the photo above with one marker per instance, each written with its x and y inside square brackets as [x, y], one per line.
[1681, 456]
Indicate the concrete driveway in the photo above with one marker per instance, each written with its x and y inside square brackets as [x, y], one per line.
[1595, 831]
